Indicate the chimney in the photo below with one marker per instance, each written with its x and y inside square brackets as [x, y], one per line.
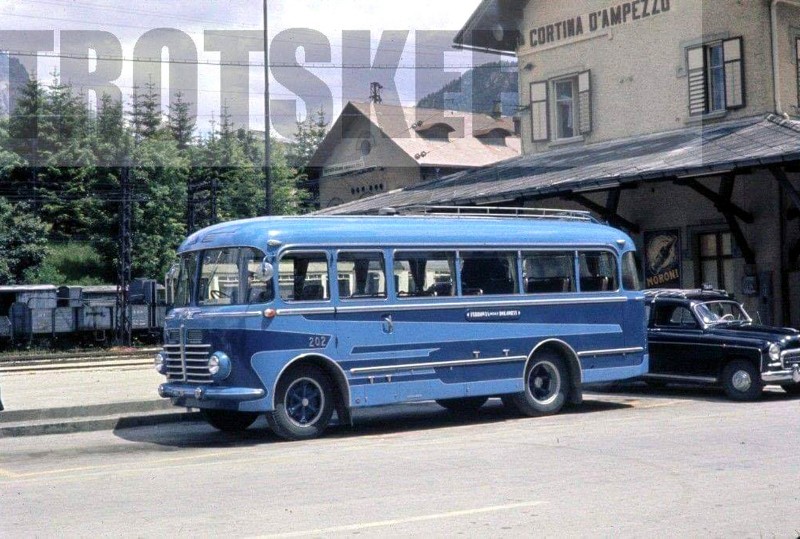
[497, 111]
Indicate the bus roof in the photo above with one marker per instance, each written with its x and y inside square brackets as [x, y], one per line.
[399, 231]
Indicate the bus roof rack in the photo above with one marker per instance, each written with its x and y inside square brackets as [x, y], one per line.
[681, 293]
[493, 211]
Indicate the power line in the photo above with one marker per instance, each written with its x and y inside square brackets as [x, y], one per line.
[100, 58]
[433, 50]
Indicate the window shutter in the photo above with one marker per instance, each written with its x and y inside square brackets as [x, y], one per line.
[734, 73]
[540, 112]
[585, 102]
[798, 71]
[696, 60]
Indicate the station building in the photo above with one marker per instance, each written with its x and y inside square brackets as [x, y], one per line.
[675, 120]
[377, 148]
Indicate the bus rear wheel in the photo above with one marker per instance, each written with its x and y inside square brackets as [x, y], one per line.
[463, 405]
[229, 420]
[546, 387]
[304, 404]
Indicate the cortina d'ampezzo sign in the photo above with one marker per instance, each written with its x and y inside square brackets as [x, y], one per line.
[584, 25]
[662, 251]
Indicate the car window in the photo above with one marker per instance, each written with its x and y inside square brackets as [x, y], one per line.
[713, 312]
[674, 316]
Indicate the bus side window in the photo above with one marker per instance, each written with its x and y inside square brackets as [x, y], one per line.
[424, 274]
[488, 273]
[304, 277]
[366, 271]
[549, 272]
[598, 272]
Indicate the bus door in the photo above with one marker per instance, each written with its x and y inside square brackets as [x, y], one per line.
[598, 279]
[364, 322]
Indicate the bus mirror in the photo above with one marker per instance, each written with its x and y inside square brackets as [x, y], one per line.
[266, 271]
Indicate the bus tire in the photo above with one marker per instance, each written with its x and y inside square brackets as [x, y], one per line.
[741, 381]
[462, 405]
[304, 404]
[229, 420]
[546, 386]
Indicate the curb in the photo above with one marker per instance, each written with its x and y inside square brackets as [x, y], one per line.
[82, 412]
[74, 365]
[91, 424]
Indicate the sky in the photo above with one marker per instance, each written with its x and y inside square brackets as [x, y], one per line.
[330, 38]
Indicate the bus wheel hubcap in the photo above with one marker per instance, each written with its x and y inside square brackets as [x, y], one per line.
[544, 382]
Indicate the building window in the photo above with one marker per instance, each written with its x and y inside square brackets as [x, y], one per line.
[716, 77]
[717, 260]
[366, 147]
[571, 105]
[565, 108]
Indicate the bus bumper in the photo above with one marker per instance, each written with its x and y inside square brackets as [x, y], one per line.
[201, 393]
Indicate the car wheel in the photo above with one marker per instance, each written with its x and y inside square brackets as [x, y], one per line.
[791, 389]
[229, 420]
[741, 381]
[463, 405]
[546, 387]
[304, 406]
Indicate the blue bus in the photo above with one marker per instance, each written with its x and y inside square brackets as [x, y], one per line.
[299, 317]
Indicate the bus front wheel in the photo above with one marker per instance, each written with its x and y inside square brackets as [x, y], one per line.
[546, 387]
[304, 404]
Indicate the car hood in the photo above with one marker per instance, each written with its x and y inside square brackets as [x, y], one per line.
[788, 337]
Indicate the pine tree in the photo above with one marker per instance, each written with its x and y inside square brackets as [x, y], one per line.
[309, 135]
[23, 242]
[181, 124]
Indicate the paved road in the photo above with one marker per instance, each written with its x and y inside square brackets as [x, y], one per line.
[626, 463]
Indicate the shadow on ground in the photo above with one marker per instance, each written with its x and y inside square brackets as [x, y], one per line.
[707, 393]
[372, 421]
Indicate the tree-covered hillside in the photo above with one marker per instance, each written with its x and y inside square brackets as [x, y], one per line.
[61, 167]
[478, 90]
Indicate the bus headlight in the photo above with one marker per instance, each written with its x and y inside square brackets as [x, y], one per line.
[774, 352]
[219, 366]
[160, 363]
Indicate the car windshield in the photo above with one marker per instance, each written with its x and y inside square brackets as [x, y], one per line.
[721, 312]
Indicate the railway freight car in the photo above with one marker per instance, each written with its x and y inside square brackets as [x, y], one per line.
[75, 314]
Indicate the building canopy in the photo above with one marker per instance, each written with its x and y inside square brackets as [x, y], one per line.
[702, 150]
[493, 27]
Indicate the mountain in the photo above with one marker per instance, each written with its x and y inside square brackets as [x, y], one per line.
[13, 77]
[478, 89]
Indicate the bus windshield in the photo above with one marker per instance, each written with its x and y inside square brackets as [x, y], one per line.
[227, 276]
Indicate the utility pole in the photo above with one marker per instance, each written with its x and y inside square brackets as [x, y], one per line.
[375, 92]
[125, 255]
[267, 141]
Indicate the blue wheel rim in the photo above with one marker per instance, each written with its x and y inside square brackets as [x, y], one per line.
[304, 402]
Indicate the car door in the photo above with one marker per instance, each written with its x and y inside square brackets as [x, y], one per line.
[673, 338]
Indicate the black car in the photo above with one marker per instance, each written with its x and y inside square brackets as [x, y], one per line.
[705, 336]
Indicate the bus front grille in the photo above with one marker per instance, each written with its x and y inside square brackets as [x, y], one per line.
[188, 362]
